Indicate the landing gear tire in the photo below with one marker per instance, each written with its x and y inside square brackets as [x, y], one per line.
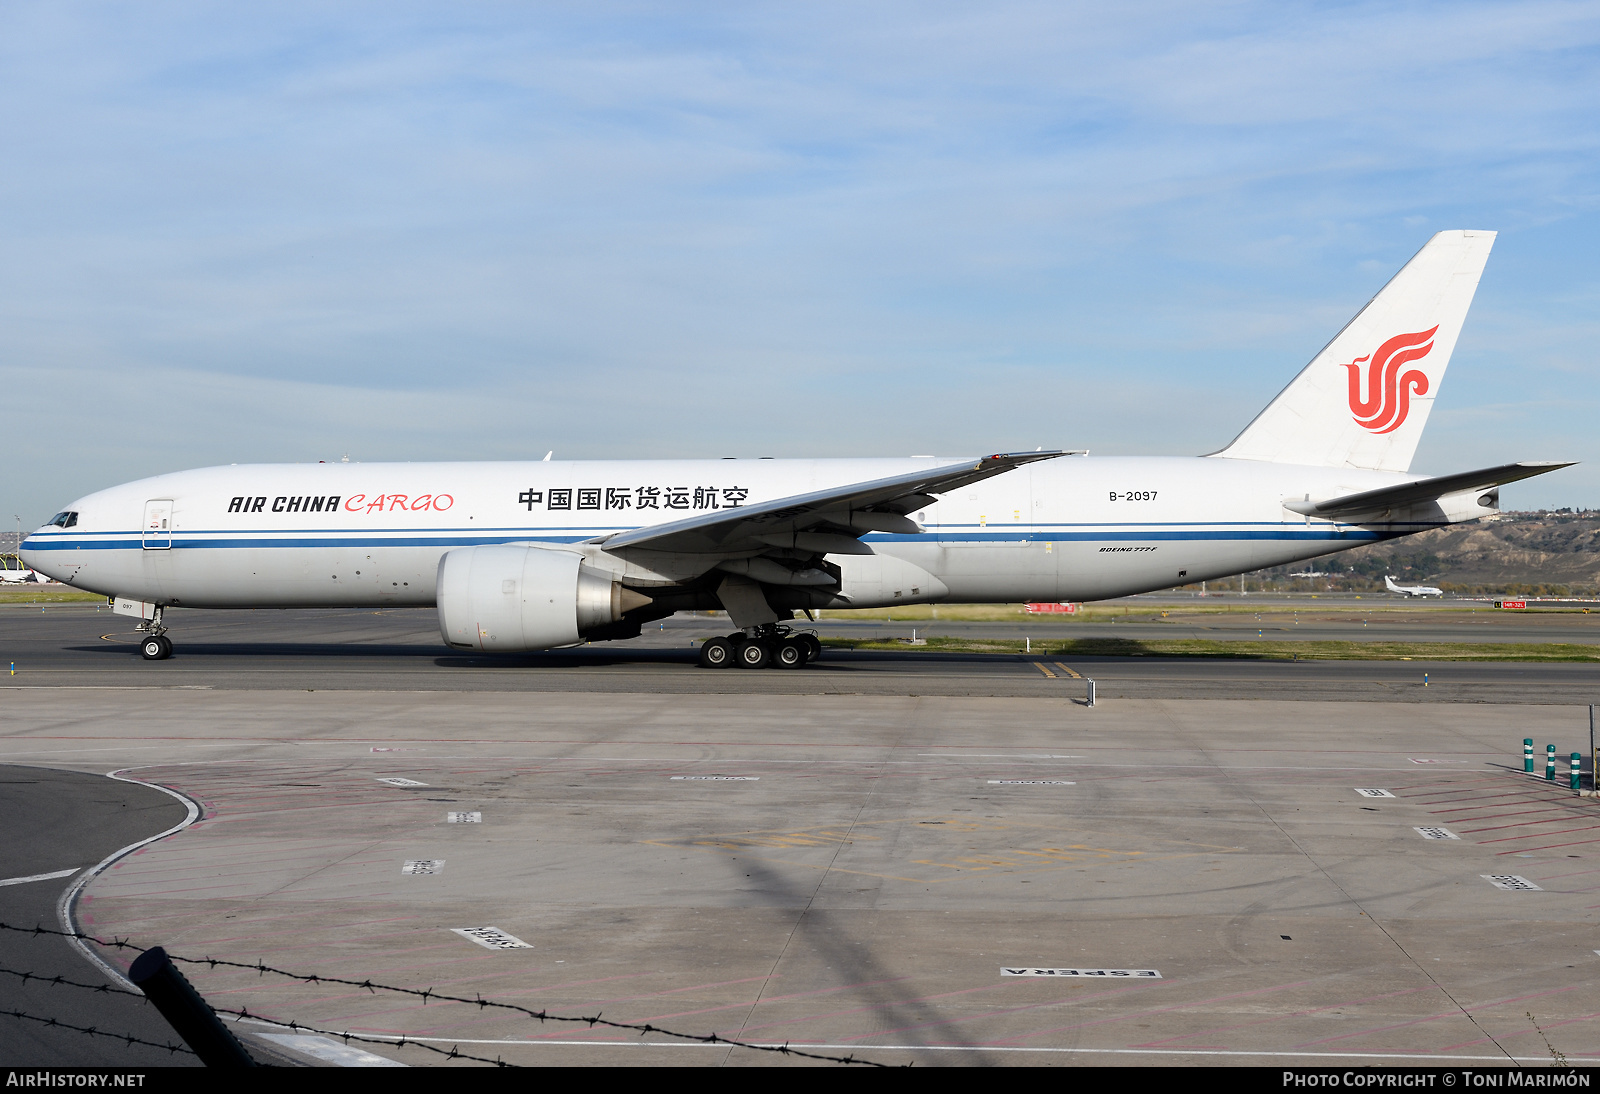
[158, 647]
[792, 653]
[813, 646]
[716, 653]
[754, 655]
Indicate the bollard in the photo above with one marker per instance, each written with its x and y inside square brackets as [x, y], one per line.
[1576, 774]
[1527, 755]
[155, 975]
[1550, 763]
[1089, 694]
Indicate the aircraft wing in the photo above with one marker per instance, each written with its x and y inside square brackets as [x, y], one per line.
[825, 521]
[1422, 490]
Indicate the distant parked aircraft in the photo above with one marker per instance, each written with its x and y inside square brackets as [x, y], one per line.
[1410, 590]
[13, 571]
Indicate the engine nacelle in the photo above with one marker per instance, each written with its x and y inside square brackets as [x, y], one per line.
[524, 598]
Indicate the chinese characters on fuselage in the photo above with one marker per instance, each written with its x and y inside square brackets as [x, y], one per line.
[634, 497]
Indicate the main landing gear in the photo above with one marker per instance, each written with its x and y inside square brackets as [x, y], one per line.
[773, 646]
[155, 645]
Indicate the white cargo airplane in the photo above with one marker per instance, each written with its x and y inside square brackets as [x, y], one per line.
[538, 555]
[1410, 590]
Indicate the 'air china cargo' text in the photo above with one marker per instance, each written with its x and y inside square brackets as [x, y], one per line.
[355, 503]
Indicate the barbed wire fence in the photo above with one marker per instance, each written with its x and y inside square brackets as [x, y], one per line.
[426, 995]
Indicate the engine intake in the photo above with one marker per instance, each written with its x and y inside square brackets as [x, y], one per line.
[512, 598]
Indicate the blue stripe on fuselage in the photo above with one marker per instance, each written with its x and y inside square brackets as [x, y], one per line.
[1156, 533]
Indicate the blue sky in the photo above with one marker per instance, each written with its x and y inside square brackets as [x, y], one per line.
[238, 233]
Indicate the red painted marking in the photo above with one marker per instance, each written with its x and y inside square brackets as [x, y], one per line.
[1492, 816]
[1480, 798]
[1448, 1014]
[1382, 1029]
[1520, 1032]
[746, 1030]
[1002, 1011]
[1537, 835]
[772, 999]
[1281, 1017]
[1547, 847]
[1158, 1010]
[1563, 819]
[651, 995]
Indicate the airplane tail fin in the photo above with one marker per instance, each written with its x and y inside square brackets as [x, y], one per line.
[1388, 583]
[1362, 401]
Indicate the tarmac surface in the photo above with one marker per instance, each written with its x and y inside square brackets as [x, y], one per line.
[76, 646]
[843, 858]
[58, 825]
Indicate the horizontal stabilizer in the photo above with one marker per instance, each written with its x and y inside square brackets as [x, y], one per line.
[1422, 490]
[758, 527]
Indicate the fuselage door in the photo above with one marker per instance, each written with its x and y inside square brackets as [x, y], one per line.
[158, 524]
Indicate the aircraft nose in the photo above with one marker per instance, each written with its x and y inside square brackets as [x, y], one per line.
[28, 551]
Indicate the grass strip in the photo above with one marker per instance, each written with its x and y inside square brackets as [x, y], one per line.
[1203, 649]
[46, 594]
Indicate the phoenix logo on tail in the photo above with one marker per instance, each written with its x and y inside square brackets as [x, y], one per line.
[1388, 392]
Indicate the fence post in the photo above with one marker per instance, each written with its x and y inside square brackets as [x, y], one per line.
[183, 1008]
[1527, 755]
[1577, 771]
[1550, 763]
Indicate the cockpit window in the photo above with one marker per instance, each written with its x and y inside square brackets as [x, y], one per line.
[64, 520]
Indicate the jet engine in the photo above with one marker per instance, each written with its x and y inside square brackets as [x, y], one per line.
[525, 598]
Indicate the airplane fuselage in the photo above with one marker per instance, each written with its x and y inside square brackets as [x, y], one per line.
[360, 535]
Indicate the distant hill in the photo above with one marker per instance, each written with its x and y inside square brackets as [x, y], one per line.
[1538, 553]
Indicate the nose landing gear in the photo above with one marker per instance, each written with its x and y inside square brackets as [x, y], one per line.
[155, 646]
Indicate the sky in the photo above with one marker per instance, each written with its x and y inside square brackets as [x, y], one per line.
[289, 232]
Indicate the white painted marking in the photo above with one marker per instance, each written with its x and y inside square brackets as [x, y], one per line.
[399, 749]
[1030, 782]
[717, 778]
[464, 818]
[1146, 974]
[113, 687]
[1434, 832]
[66, 904]
[1368, 792]
[326, 1048]
[492, 938]
[40, 877]
[1414, 760]
[1046, 1049]
[422, 866]
[402, 782]
[1511, 882]
[999, 755]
